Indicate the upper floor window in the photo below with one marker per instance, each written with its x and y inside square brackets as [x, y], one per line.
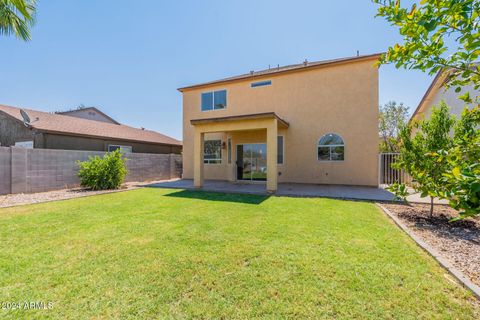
[261, 83]
[214, 100]
[331, 148]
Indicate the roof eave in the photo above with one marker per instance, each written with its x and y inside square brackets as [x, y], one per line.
[274, 73]
[431, 89]
[71, 134]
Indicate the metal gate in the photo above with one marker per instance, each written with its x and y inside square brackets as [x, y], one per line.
[389, 175]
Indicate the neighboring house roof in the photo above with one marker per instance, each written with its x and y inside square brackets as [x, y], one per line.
[285, 69]
[436, 85]
[67, 125]
[67, 113]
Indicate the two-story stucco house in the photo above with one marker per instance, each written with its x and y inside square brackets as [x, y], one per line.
[315, 122]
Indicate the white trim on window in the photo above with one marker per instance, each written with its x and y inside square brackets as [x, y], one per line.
[213, 160]
[283, 150]
[330, 146]
[213, 100]
[229, 150]
[123, 149]
[24, 144]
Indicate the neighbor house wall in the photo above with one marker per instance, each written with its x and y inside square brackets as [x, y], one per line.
[341, 99]
[36, 170]
[56, 141]
[450, 97]
[12, 131]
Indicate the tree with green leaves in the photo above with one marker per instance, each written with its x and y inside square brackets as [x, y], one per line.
[462, 180]
[444, 35]
[392, 117]
[437, 34]
[420, 142]
[17, 17]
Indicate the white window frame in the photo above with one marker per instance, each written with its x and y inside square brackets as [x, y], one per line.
[212, 161]
[330, 146]
[27, 144]
[123, 149]
[229, 150]
[213, 98]
[283, 149]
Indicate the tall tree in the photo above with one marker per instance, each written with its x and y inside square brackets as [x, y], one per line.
[17, 17]
[392, 117]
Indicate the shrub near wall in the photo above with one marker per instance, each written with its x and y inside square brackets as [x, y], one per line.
[103, 173]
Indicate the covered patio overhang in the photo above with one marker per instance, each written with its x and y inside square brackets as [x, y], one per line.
[269, 121]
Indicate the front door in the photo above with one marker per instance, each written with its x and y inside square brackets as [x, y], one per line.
[252, 162]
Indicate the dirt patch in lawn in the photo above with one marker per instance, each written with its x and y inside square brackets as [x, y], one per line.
[458, 242]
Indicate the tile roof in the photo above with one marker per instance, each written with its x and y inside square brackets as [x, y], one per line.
[282, 69]
[62, 124]
[68, 112]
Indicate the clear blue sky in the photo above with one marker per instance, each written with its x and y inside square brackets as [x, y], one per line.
[128, 57]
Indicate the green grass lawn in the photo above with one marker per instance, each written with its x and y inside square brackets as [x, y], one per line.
[157, 253]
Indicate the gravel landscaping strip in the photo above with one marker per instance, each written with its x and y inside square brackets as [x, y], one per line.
[11, 200]
[456, 242]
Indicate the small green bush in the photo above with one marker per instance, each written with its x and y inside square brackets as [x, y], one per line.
[103, 173]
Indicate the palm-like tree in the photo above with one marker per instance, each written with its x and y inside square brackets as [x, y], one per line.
[16, 17]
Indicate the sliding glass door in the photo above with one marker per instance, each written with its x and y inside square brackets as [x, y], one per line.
[252, 162]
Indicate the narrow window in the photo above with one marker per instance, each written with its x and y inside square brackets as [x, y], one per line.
[229, 150]
[207, 101]
[220, 98]
[261, 83]
[331, 148]
[212, 151]
[280, 148]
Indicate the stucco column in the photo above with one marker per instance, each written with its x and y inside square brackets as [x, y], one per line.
[198, 158]
[272, 171]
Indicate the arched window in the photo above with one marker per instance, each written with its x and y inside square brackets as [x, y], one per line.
[331, 148]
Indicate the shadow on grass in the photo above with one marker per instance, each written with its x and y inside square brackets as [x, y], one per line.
[218, 196]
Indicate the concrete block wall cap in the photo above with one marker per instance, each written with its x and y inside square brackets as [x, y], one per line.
[434, 253]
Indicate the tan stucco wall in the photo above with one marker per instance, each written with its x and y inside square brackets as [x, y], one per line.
[342, 99]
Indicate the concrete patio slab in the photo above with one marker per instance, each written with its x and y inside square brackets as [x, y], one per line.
[286, 189]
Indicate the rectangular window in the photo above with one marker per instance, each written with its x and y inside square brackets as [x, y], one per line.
[207, 101]
[261, 83]
[331, 153]
[24, 144]
[337, 153]
[280, 148]
[229, 150]
[123, 149]
[220, 99]
[214, 100]
[212, 151]
[324, 153]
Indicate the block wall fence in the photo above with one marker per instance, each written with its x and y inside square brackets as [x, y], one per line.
[37, 170]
